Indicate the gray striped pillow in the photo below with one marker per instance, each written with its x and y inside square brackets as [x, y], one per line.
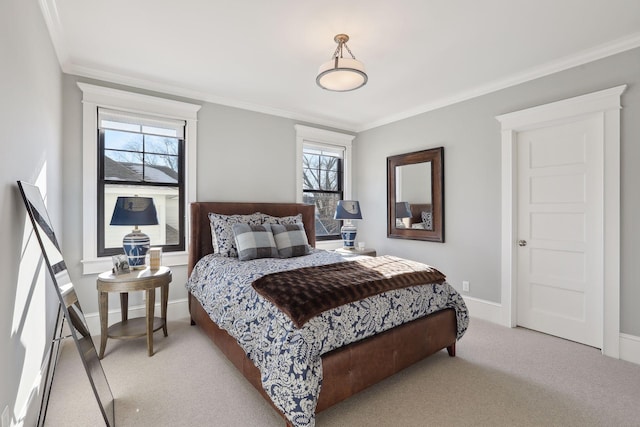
[254, 241]
[291, 240]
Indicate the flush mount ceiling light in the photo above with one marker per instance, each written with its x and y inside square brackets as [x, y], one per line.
[341, 74]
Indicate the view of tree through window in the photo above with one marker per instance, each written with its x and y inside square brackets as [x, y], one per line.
[322, 186]
[138, 158]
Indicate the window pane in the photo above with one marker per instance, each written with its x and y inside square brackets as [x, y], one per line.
[122, 166]
[321, 171]
[161, 145]
[329, 163]
[161, 168]
[329, 181]
[166, 201]
[325, 209]
[117, 140]
[310, 160]
[311, 180]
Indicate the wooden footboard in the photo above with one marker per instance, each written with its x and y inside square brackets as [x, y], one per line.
[352, 368]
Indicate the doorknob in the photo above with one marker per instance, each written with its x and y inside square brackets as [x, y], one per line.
[522, 242]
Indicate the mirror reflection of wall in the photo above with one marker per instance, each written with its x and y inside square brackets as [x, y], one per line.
[413, 191]
[413, 183]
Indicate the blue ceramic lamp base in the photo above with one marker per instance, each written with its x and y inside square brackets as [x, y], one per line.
[348, 232]
[135, 245]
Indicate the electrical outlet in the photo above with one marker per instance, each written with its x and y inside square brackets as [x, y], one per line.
[465, 286]
[5, 417]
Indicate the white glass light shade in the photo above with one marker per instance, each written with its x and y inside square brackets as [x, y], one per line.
[344, 75]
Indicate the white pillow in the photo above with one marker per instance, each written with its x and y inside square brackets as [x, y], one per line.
[293, 219]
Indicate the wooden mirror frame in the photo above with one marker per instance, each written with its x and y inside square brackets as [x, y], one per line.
[436, 157]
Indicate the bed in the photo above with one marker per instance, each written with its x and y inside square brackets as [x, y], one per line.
[343, 371]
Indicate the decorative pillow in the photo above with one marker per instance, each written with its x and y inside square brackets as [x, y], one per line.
[282, 220]
[254, 241]
[427, 220]
[291, 240]
[222, 237]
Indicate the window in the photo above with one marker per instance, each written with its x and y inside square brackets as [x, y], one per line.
[322, 186]
[324, 165]
[142, 145]
[141, 156]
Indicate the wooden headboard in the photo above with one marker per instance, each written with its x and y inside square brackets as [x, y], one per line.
[416, 212]
[200, 239]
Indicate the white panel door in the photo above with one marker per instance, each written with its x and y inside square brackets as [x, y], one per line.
[560, 230]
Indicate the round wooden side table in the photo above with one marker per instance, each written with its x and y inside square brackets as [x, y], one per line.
[138, 280]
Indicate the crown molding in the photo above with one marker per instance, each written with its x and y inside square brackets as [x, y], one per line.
[51, 18]
[171, 89]
[581, 58]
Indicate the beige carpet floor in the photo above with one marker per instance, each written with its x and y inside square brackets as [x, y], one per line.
[500, 377]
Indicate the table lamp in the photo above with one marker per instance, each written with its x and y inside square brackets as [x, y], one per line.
[348, 210]
[135, 211]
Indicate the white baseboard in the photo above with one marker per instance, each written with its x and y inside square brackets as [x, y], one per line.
[630, 348]
[176, 309]
[483, 309]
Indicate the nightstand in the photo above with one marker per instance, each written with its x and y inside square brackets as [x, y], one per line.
[138, 280]
[356, 251]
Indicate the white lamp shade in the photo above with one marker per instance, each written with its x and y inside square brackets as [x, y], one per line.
[348, 74]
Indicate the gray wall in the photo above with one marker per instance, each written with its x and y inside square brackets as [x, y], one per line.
[471, 137]
[31, 141]
[244, 156]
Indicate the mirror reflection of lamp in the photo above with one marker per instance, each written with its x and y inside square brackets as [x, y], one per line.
[348, 210]
[135, 211]
[403, 210]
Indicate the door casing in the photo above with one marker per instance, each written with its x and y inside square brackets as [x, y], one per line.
[606, 103]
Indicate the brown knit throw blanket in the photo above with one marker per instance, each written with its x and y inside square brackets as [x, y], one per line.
[306, 292]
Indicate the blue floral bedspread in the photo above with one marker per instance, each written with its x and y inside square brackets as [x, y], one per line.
[287, 357]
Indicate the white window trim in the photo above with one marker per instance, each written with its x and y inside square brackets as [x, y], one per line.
[98, 96]
[329, 139]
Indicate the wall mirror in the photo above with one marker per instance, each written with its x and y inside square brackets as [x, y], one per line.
[69, 303]
[415, 195]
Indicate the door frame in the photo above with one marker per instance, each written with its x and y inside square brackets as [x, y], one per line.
[605, 104]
